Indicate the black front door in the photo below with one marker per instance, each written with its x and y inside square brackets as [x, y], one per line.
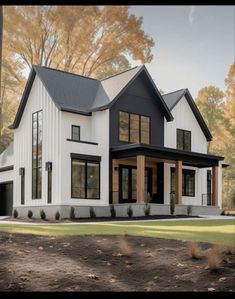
[127, 183]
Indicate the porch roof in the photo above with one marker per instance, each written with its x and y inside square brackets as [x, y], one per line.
[188, 158]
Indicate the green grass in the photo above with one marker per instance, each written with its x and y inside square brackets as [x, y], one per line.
[212, 231]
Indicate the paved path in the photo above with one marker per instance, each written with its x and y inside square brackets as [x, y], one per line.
[204, 217]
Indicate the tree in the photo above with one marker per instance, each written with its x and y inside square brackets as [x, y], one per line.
[229, 142]
[210, 101]
[81, 39]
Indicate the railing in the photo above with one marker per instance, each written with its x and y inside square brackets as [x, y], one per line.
[206, 199]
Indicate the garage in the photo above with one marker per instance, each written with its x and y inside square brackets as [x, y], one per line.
[6, 198]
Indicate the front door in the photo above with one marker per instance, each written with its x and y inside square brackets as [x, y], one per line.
[127, 183]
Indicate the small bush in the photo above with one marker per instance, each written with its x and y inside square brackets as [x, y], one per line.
[92, 212]
[214, 258]
[147, 209]
[189, 210]
[172, 203]
[194, 250]
[42, 214]
[30, 214]
[147, 198]
[112, 211]
[15, 213]
[125, 247]
[57, 215]
[72, 213]
[129, 211]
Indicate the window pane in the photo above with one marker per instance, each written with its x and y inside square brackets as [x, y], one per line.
[49, 186]
[78, 178]
[22, 189]
[187, 141]
[134, 127]
[34, 195]
[134, 177]
[180, 139]
[145, 121]
[124, 126]
[125, 183]
[39, 182]
[189, 184]
[93, 177]
[172, 180]
[75, 133]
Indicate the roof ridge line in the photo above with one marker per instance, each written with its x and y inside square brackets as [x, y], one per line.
[70, 73]
[173, 91]
[121, 72]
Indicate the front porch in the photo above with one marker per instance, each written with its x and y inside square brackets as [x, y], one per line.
[141, 172]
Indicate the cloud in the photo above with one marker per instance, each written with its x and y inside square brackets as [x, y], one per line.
[191, 14]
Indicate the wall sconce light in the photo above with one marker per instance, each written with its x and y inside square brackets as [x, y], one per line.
[116, 168]
[49, 166]
[21, 171]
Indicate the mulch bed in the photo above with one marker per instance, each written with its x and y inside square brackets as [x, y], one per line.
[108, 263]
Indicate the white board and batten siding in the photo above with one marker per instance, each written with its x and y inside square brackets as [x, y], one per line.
[38, 99]
[184, 119]
[94, 128]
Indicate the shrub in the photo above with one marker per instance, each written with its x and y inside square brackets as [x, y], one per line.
[42, 214]
[194, 250]
[15, 213]
[172, 203]
[112, 211]
[189, 210]
[147, 209]
[129, 211]
[30, 214]
[92, 212]
[57, 215]
[214, 258]
[72, 213]
[147, 198]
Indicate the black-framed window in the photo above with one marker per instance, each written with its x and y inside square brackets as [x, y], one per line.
[85, 179]
[75, 133]
[134, 128]
[188, 182]
[49, 181]
[22, 185]
[37, 155]
[183, 140]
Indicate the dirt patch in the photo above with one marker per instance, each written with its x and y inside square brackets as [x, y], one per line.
[98, 219]
[108, 263]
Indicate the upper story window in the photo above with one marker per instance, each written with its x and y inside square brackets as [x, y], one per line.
[134, 128]
[37, 155]
[183, 140]
[75, 133]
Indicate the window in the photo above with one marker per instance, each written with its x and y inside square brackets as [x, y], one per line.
[134, 128]
[188, 181]
[22, 185]
[76, 133]
[183, 140]
[85, 179]
[37, 155]
[49, 181]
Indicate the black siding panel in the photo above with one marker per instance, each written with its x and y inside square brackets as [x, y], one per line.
[138, 99]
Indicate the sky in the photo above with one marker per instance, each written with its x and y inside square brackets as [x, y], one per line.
[194, 45]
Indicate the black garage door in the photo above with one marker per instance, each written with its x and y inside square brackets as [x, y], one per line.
[6, 199]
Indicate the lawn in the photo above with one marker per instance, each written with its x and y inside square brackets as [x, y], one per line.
[212, 231]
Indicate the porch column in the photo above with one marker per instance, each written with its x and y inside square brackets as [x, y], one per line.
[215, 186]
[140, 178]
[178, 182]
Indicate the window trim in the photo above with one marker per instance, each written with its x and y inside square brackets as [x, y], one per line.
[36, 198]
[96, 160]
[185, 171]
[79, 135]
[177, 129]
[129, 127]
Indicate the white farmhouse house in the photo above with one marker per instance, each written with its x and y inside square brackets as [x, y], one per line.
[83, 142]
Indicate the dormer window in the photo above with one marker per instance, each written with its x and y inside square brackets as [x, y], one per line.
[75, 133]
[183, 140]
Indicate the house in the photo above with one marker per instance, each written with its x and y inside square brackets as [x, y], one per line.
[83, 142]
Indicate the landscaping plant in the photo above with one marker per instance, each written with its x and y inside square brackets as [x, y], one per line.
[57, 215]
[42, 214]
[72, 213]
[129, 211]
[112, 211]
[15, 213]
[92, 212]
[30, 214]
[172, 203]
